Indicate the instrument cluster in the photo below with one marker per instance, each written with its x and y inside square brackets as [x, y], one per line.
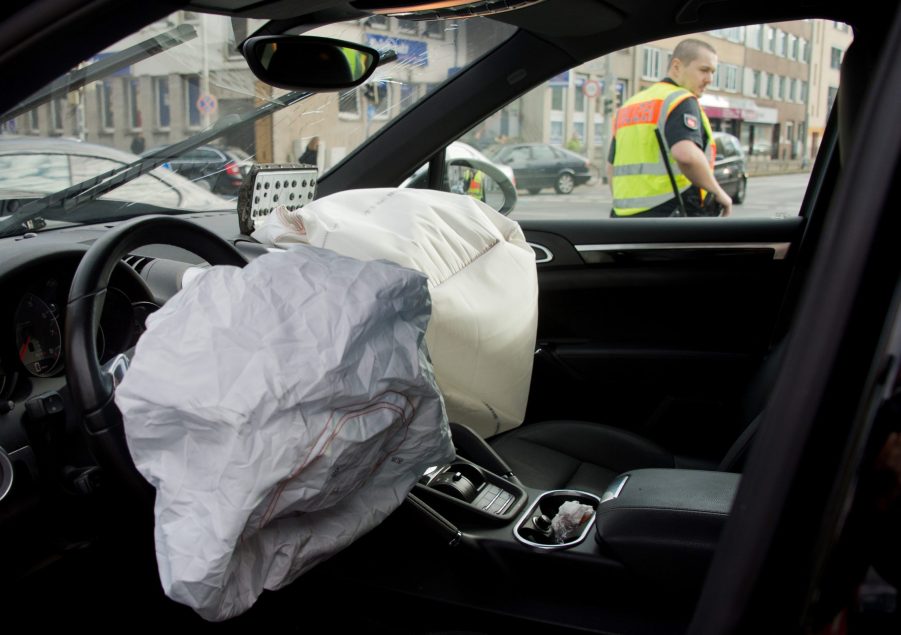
[37, 324]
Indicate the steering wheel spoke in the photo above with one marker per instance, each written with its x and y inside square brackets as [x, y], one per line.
[92, 385]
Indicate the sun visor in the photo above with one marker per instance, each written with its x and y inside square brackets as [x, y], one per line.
[482, 277]
[281, 411]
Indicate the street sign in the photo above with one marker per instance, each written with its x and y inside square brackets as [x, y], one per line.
[206, 104]
[591, 88]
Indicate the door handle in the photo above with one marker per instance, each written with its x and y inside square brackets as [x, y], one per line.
[542, 253]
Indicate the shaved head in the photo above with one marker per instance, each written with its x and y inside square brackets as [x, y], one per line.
[693, 65]
[688, 50]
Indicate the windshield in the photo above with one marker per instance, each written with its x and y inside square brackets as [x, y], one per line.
[134, 99]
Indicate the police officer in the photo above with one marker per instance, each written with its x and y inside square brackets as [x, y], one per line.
[666, 119]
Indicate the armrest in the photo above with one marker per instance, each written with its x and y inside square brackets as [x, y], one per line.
[664, 524]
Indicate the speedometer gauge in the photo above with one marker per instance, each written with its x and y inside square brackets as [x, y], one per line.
[38, 337]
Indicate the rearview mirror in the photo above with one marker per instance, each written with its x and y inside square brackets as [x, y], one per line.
[298, 62]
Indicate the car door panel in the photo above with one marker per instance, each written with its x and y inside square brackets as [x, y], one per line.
[656, 325]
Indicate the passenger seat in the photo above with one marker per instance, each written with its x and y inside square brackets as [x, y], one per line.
[588, 456]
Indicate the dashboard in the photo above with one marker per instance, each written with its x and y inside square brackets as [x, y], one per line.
[49, 480]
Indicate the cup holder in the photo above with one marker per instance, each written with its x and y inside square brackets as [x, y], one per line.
[537, 528]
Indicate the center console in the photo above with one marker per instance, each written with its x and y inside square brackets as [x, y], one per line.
[650, 526]
[630, 559]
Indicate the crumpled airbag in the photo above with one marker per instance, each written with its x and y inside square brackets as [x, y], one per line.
[280, 411]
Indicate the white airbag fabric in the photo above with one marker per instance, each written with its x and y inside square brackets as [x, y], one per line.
[280, 411]
[482, 278]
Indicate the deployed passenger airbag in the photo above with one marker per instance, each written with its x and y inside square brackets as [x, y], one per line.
[482, 277]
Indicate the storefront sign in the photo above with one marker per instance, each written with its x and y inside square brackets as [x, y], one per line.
[408, 51]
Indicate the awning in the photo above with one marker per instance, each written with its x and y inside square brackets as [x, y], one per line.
[722, 107]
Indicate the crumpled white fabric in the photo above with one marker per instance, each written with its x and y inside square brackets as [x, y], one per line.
[280, 411]
[482, 277]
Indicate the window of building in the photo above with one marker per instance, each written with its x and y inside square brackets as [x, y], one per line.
[237, 34]
[132, 87]
[349, 104]
[161, 102]
[803, 92]
[780, 42]
[792, 90]
[792, 48]
[804, 54]
[755, 36]
[57, 114]
[731, 76]
[191, 88]
[770, 39]
[434, 29]
[579, 101]
[717, 82]
[379, 22]
[556, 131]
[558, 98]
[835, 58]
[780, 87]
[735, 34]
[652, 68]
[769, 86]
[830, 97]
[381, 100]
[408, 26]
[105, 105]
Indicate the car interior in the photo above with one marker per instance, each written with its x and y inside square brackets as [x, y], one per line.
[660, 346]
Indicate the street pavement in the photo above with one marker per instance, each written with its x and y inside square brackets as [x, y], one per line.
[776, 196]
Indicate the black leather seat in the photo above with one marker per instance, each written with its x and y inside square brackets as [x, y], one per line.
[588, 456]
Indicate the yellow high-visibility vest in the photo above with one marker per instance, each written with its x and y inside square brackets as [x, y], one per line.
[475, 188]
[640, 179]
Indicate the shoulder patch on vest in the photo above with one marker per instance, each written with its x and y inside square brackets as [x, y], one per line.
[691, 122]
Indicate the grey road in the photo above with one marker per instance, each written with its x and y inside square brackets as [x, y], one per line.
[768, 197]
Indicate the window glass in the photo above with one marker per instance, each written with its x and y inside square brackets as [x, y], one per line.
[771, 112]
[38, 173]
[144, 188]
[543, 153]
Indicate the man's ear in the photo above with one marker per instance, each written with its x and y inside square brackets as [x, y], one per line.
[675, 66]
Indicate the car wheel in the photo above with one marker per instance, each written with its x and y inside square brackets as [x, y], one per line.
[534, 190]
[740, 191]
[565, 183]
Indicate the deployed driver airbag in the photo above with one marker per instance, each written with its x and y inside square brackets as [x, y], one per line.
[280, 411]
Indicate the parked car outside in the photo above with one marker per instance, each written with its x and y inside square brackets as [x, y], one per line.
[730, 167]
[541, 165]
[40, 165]
[220, 170]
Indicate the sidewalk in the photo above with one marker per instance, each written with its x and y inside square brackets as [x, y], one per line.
[766, 166]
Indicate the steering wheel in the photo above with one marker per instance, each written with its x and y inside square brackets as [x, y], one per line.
[91, 386]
